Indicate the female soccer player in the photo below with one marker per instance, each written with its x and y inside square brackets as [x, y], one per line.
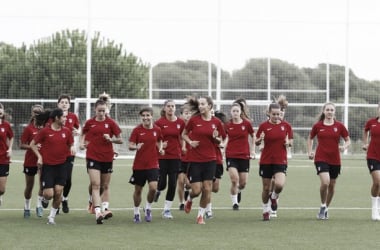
[146, 139]
[6, 143]
[273, 159]
[51, 146]
[72, 123]
[371, 144]
[238, 151]
[98, 135]
[327, 156]
[183, 184]
[171, 128]
[30, 162]
[202, 132]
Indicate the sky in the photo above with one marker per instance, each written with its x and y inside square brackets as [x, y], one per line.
[225, 32]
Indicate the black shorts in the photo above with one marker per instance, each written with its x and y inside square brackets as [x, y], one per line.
[184, 167]
[269, 170]
[169, 166]
[140, 177]
[242, 165]
[334, 170]
[4, 170]
[201, 171]
[103, 167]
[218, 171]
[373, 165]
[30, 171]
[52, 175]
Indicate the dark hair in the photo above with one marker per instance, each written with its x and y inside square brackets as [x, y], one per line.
[146, 109]
[193, 103]
[64, 96]
[221, 116]
[100, 102]
[243, 106]
[56, 113]
[39, 111]
[42, 118]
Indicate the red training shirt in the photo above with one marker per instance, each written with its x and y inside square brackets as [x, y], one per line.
[147, 156]
[6, 133]
[171, 133]
[238, 144]
[373, 151]
[328, 141]
[30, 131]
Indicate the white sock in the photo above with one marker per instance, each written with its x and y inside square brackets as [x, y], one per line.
[234, 199]
[148, 206]
[64, 198]
[274, 195]
[266, 207]
[374, 202]
[39, 201]
[136, 210]
[208, 207]
[168, 205]
[97, 210]
[27, 204]
[105, 205]
[53, 212]
[201, 211]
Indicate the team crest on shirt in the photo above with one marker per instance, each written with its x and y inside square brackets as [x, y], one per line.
[213, 126]
[70, 120]
[63, 135]
[282, 128]
[2, 130]
[335, 129]
[243, 127]
[178, 126]
[154, 133]
[106, 125]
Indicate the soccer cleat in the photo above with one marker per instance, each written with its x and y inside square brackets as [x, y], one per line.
[273, 214]
[136, 218]
[167, 214]
[326, 214]
[200, 220]
[50, 221]
[26, 213]
[156, 195]
[45, 203]
[322, 214]
[182, 207]
[39, 211]
[99, 218]
[235, 207]
[107, 214]
[208, 215]
[273, 204]
[239, 197]
[148, 215]
[57, 211]
[65, 206]
[90, 208]
[266, 216]
[188, 204]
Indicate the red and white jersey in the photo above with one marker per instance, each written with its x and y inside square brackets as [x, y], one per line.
[55, 144]
[147, 156]
[274, 151]
[328, 137]
[171, 133]
[98, 148]
[6, 133]
[373, 127]
[238, 143]
[201, 130]
[30, 131]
